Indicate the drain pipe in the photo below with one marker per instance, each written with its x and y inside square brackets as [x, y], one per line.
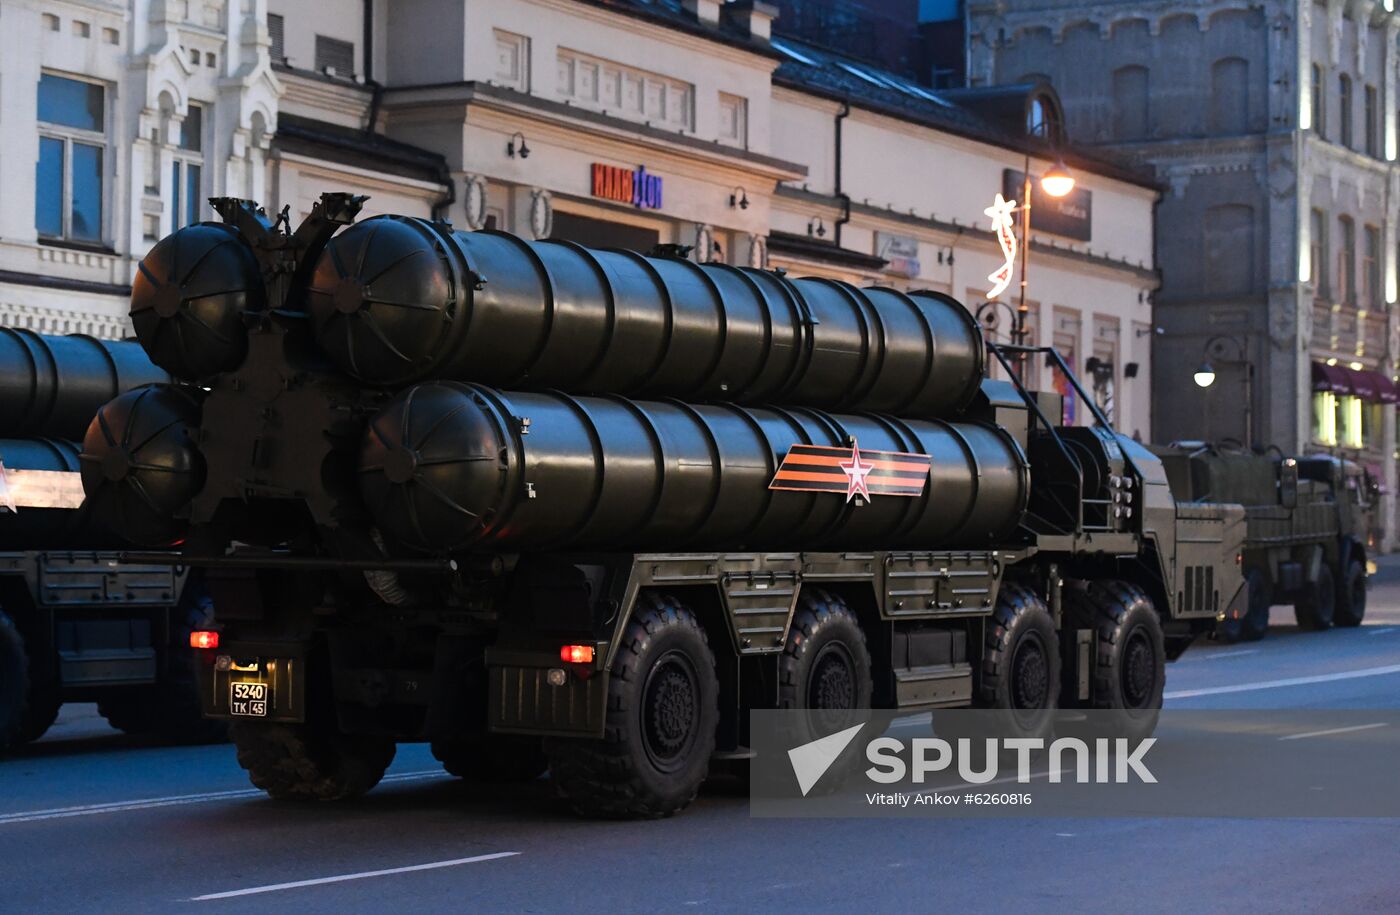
[845, 199]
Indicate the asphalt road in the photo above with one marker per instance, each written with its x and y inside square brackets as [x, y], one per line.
[92, 821]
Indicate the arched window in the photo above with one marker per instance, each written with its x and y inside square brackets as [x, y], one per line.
[1130, 100]
[1344, 102]
[1042, 117]
[1229, 249]
[1229, 96]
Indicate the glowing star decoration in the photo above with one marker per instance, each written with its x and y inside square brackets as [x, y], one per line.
[856, 471]
[1003, 225]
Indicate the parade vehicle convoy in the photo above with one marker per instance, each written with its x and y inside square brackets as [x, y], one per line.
[76, 625]
[1308, 520]
[548, 506]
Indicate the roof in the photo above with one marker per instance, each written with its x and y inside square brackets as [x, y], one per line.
[976, 113]
[360, 148]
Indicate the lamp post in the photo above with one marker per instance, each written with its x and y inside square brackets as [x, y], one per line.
[1218, 348]
[1056, 182]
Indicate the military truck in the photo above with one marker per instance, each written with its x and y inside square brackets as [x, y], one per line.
[76, 625]
[547, 506]
[1308, 520]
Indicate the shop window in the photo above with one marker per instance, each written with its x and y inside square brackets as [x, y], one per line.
[733, 120]
[334, 56]
[513, 61]
[1349, 413]
[1130, 103]
[600, 233]
[1318, 253]
[1325, 418]
[187, 171]
[69, 177]
[1344, 103]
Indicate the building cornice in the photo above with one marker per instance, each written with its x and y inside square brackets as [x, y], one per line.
[499, 98]
[1139, 271]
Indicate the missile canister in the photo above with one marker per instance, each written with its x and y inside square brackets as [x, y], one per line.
[50, 386]
[140, 465]
[189, 299]
[447, 466]
[397, 300]
[40, 528]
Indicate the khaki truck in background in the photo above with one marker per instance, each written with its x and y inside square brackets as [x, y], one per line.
[1308, 523]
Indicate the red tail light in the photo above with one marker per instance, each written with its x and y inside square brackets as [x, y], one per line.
[576, 654]
[204, 639]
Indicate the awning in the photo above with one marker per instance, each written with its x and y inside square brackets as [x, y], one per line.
[1386, 390]
[1331, 378]
[1371, 386]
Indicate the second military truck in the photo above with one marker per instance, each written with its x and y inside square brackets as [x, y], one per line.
[1308, 521]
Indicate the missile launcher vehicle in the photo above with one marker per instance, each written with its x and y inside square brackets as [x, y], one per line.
[544, 506]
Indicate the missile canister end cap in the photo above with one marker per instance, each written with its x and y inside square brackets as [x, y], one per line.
[382, 298]
[140, 466]
[430, 467]
[189, 297]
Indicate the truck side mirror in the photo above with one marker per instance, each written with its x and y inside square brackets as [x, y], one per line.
[1288, 483]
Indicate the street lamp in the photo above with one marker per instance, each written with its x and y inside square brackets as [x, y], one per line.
[1057, 182]
[1217, 348]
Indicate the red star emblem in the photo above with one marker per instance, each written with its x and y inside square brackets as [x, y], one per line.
[856, 471]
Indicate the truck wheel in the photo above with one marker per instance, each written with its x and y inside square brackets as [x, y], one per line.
[29, 695]
[1130, 660]
[825, 664]
[1020, 673]
[169, 711]
[1351, 596]
[493, 758]
[659, 734]
[305, 762]
[1254, 625]
[1317, 607]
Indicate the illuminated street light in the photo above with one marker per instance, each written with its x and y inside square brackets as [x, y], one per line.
[1205, 375]
[1058, 181]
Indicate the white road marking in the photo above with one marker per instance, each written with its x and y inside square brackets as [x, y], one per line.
[1278, 684]
[1215, 656]
[1330, 731]
[179, 800]
[1386, 631]
[363, 875]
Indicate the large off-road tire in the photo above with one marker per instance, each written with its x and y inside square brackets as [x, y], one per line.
[29, 695]
[170, 710]
[493, 757]
[309, 763]
[825, 664]
[659, 733]
[1317, 608]
[1130, 660]
[1020, 672]
[1254, 624]
[1351, 596]
[1018, 678]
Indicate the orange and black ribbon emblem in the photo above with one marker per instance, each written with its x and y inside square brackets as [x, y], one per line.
[852, 472]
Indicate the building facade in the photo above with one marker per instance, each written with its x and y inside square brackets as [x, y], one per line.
[634, 124]
[1272, 126]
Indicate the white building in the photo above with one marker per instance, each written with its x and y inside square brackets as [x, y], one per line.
[617, 123]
